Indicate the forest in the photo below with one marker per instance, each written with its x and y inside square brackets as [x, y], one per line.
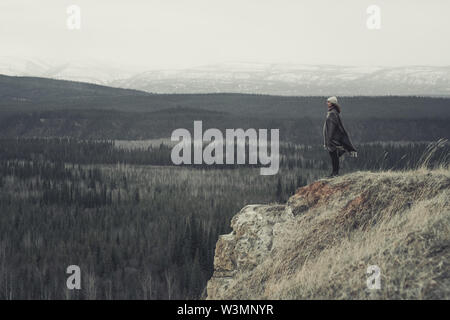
[39, 107]
[138, 226]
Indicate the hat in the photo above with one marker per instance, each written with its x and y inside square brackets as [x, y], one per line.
[332, 100]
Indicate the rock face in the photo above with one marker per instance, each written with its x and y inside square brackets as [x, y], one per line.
[328, 231]
[246, 246]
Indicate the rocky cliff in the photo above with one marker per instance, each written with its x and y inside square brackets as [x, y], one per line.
[320, 244]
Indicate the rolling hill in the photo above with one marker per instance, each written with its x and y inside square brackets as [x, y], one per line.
[47, 107]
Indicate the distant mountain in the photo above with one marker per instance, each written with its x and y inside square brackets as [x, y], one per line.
[278, 79]
[92, 71]
[275, 79]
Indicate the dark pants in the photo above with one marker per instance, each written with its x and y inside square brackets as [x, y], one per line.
[335, 161]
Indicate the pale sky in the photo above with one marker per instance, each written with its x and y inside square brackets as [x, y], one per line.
[186, 33]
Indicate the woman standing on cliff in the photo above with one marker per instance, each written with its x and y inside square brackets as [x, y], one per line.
[336, 138]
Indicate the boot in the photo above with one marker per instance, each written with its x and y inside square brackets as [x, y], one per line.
[333, 174]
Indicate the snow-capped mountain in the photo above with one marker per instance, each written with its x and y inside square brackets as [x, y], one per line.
[92, 71]
[277, 79]
[284, 79]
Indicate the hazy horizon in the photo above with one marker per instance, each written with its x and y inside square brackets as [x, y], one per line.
[156, 35]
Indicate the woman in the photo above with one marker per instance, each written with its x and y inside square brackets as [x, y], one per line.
[336, 139]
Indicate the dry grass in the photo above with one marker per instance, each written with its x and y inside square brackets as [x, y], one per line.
[399, 221]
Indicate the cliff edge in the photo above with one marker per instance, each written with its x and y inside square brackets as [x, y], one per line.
[320, 244]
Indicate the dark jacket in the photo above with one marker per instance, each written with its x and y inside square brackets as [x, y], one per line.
[334, 134]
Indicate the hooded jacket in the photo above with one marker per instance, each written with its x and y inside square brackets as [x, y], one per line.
[334, 134]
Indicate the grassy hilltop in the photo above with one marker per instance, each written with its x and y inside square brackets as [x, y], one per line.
[320, 244]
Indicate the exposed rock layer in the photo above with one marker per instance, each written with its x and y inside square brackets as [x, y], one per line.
[321, 242]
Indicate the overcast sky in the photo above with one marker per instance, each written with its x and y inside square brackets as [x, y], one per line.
[185, 33]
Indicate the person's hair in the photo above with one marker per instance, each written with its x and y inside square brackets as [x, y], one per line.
[338, 108]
